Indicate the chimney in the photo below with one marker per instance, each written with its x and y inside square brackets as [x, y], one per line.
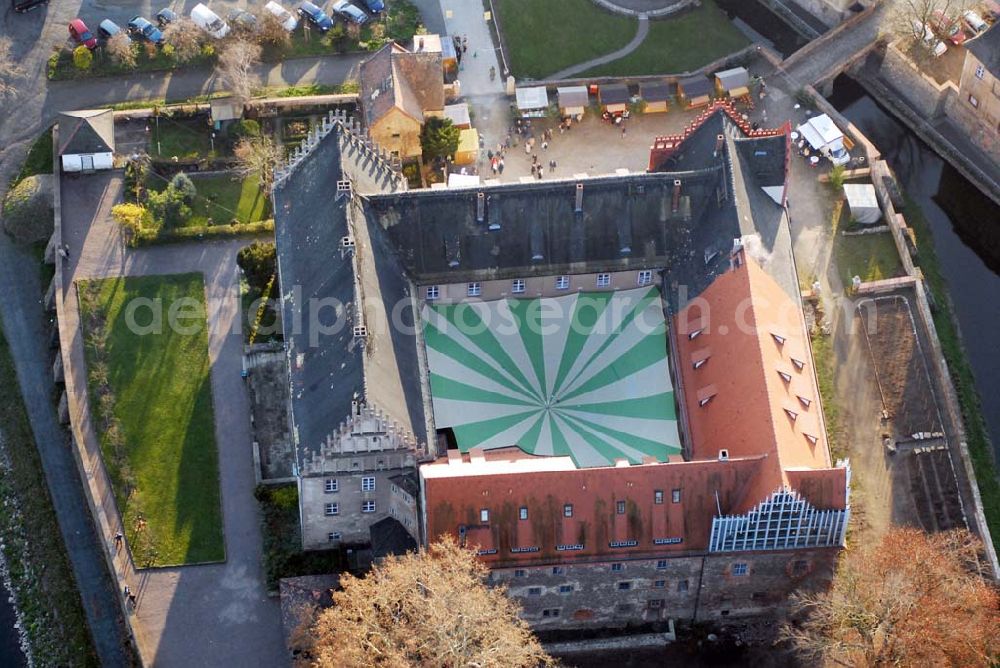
[477, 456]
[480, 207]
[675, 204]
[454, 456]
[719, 141]
[578, 206]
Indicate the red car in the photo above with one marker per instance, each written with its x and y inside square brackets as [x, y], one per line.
[81, 34]
[949, 29]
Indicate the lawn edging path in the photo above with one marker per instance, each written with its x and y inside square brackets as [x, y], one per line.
[640, 35]
[158, 375]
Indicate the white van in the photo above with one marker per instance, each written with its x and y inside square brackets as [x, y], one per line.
[974, 21]
[937, 47]
[288, 20]
[209, 21]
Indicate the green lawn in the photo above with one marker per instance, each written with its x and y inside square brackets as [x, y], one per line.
[681, 44]
[545, 36]
[873, 257]
[162, 400]
[222, 198]
[182, 139]
[39, 158]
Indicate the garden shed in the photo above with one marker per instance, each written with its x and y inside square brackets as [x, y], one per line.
[458, 114]
[573, 101]
[863, 203]
[87, 140]
[614, 98]
[656, 95]
[468, 147]
[532, 102]
[696, 90]
[735, 82]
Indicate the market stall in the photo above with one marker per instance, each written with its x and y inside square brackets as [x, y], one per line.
[734, 82]
[573, 101]
[532, 102]
[657, 96]
[696, 91]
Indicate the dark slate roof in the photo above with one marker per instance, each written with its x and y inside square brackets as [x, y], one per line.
[986, 48]
[414, 82]
[88, 131]
[389, 537]
[695, 86]
[657, 91]
[614, 94]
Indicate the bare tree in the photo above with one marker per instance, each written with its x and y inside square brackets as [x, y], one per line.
[10, 70]
[911, 599]
[121, 49]
[259, 156]
[236, 68]
[912, 19]
[185, 37]
[271, 32]
[427, 609]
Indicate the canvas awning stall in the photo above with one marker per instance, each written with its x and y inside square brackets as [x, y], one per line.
[573, 100]
[735, 82]
[614, 98]
[863, 203]
[463, 180]
[459, 115]
[656, 95]
[532, 102]
[468, 147]
[696, 90]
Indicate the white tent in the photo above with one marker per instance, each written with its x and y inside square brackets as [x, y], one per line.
[534, 99]
[463, 180]
[820, 131]
[863, 202]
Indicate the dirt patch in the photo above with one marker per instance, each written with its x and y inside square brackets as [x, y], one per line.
[267, 381]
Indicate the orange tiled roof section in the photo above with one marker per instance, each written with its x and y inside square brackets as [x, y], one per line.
[748, 382]
[590, 498]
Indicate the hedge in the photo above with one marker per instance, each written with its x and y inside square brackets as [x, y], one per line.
[203, 232]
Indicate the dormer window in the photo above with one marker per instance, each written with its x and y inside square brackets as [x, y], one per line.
[603, 280]
[432, 292]
[790, 413]
[779, 339]
[474, 289]
[805, 402]
[799, 364]
[704, 400]
[812, 439]
[695, 334]
[700, 363]
[517, 286]
[787, 377]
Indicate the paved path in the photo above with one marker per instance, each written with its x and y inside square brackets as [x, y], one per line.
[579, 68]
[194, 615]
[465, 18]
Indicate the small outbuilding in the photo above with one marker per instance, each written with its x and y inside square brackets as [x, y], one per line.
[696, 91]
[656, 95]
[734, 82]
[532, 102]
[614, 98]
[87, 140]
[458, 114]
[468, 147]
[863, 203]
[573, 101]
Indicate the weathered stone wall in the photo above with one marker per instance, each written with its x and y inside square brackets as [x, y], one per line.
[700, 586]
[922, 92]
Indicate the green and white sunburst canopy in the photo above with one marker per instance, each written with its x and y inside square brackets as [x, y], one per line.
[583, 375]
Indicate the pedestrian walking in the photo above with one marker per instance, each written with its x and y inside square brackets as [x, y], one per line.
[127, 591]
[489, 154]
[534, 159]
[539, 173]
[119, 538]
[500, 166]
[545, 146]
[623, 131]
[132, 600]
[527, 148]
[465, 43]
[552, 165]
[534, 168]
[493, 72]
[495, 164]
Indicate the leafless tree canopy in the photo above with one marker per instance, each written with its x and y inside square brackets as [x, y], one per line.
[259, 156]
[236, 68]
[271, 32]
[909, 16]
[121, 49]
[185, 37]
[10, 70]
[912, 599]
[430, 609]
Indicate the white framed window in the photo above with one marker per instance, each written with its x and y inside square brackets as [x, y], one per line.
[368, 506]
[333, 536]
[658, 496]
[517, 286]
[331, 509]
[484, 515]
[330, 485]
[740, 569]
[523, 512]
[980, 72]
[974, 101]
[432, 292]
[603, 280]
[474, 289]
[675, 495]
[368, 484]
[562, 282]
[617, 567]
[568, 510]
[645, 277]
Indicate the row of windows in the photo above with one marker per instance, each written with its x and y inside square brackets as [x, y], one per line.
[333, 485]
[624, 608]
[334, 508]
[625, 585]
[518, 285]
[522, 513]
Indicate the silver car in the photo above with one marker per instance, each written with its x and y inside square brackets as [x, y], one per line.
[350, 12]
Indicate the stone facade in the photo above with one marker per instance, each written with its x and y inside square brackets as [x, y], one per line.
[924, 94]
[398, 133]
[694, 587]
[976, 107]
[348, 487]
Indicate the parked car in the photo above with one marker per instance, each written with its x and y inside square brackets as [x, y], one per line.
[375, 6]
[974, 21]
[241, 18]
[108, 29]
[950, 29]
[209, 21]
[144, 30]
[315, 16]
[21, 6]
[936, 46]
[288, 20]
[350, 12]
[165, 17]
[81, 34]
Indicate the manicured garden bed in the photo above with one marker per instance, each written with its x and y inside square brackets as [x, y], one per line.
[183, 139]
[223, 198]
[151, 401]
[872, 257]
